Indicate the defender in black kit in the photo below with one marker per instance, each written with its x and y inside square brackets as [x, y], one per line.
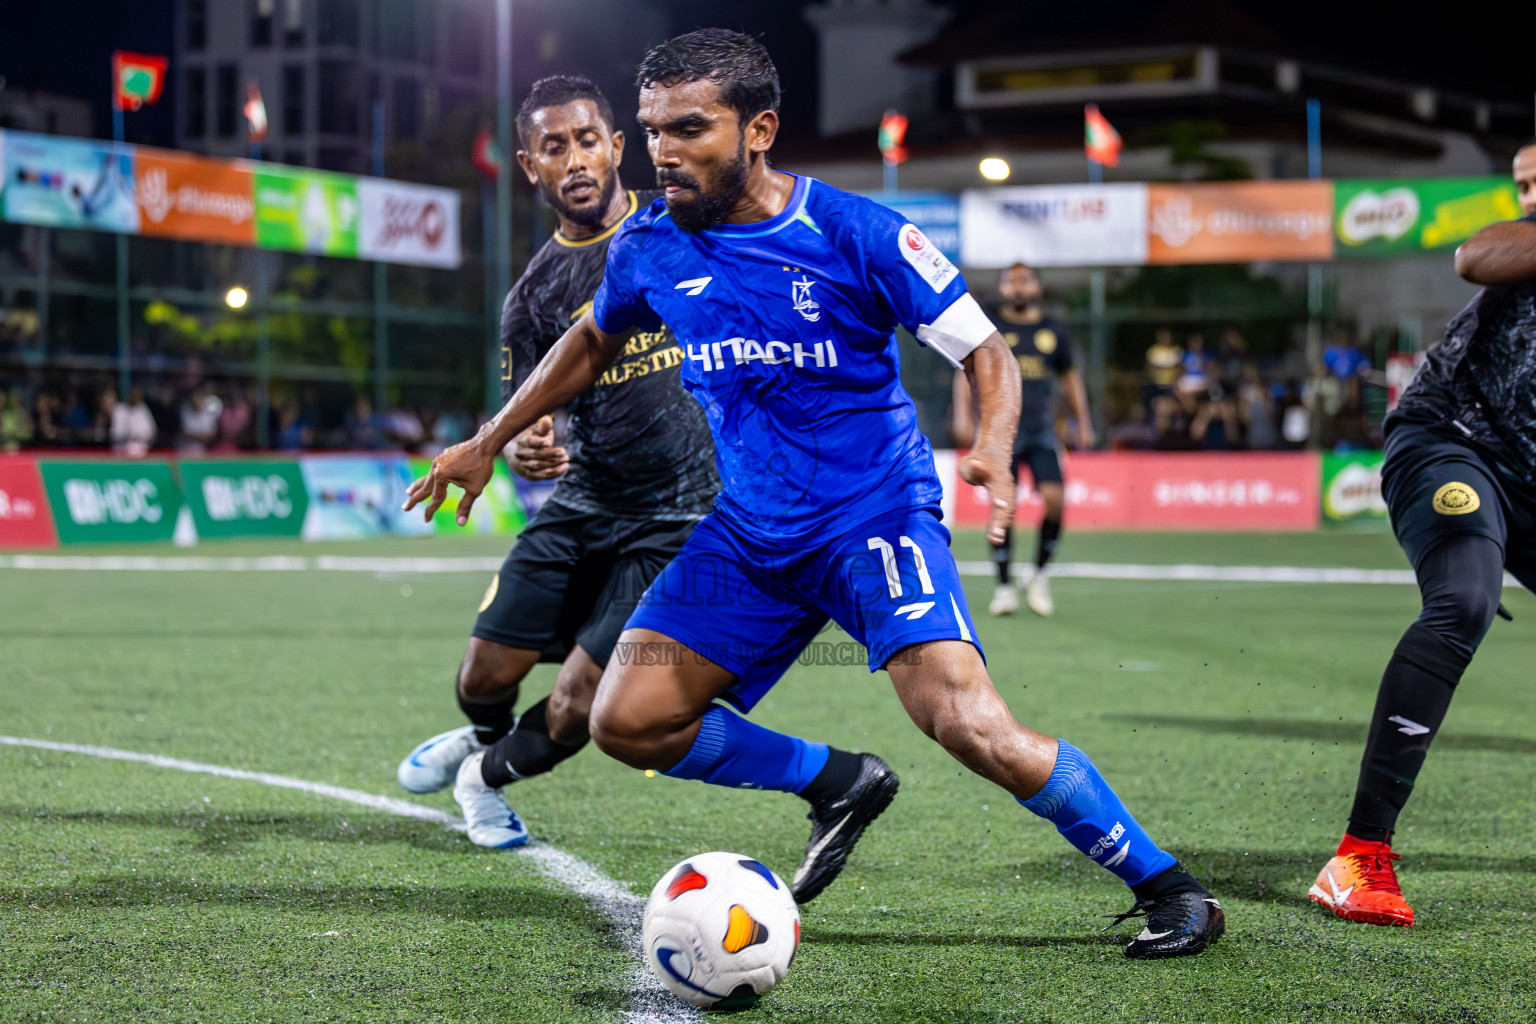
[636, 470]
[1460, 481]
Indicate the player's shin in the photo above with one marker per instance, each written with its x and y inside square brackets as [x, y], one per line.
[1415, 694]
[1002, 554]
[526, 751]
[731, 751]
[1049, 540]
[1086, 811]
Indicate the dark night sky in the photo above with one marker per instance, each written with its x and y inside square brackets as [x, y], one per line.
[64, 46]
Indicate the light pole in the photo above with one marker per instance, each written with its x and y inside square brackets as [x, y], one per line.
[499, 263]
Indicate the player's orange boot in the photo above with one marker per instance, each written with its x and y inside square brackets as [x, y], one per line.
[1359, 884]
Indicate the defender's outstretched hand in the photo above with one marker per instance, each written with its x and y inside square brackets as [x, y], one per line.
[986, 468]
[463, 464]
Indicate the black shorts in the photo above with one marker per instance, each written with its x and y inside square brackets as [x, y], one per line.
[1041, 452]
[573, 578]
[1437, 488]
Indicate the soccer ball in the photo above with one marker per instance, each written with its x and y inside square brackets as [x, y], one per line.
[720, 930]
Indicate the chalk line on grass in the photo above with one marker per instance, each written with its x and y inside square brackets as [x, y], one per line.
[649, 1003]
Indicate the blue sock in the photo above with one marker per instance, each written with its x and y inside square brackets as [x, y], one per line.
[731, 751]
[1078, 801]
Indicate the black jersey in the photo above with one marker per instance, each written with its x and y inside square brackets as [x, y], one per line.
[639, 445]
[1044, 352]
[1479, 385]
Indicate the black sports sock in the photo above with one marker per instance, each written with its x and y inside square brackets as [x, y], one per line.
[526, 751]
[1460, 580]
[1050, 538]
[491, 721]
[1002, 554]
[1170, 882]
[840, 772]
[1416, 692]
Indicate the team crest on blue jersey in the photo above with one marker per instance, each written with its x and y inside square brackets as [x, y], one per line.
[804, 304]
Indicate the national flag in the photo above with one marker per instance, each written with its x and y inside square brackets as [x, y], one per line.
[893, 133]
[137, 79]
[486, 155]
[255, 114]
[1100, 140]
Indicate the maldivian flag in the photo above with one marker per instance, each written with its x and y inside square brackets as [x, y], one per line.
[137, 79]
[893, 137]
[255, 114]
[1100, 140]
[486, 155]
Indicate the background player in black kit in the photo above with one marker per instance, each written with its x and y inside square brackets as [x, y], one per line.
[636, 471]
[1044, 351]
[1460, 481]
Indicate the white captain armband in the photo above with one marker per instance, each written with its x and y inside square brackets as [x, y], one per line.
[958, 331]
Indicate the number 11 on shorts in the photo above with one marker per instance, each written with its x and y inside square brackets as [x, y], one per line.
[892, 574]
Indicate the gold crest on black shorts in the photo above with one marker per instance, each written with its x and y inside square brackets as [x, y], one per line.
[490, 592]
[1456, 499]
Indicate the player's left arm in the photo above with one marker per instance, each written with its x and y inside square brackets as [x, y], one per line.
[1077, 400]
[1499, 254]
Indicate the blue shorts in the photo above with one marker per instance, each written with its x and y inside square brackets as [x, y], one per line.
[754, 609]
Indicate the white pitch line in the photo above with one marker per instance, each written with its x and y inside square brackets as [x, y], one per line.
[649, 1003]
[430, 566]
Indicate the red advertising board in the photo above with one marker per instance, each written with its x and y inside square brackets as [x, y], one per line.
[25, 520]
[1174, 491]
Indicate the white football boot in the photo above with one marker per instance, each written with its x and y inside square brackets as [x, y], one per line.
[491, 822]
[1005, 600]
[1038, 596]
[434, 764]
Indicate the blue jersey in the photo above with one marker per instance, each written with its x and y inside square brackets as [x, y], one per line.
[788, 328]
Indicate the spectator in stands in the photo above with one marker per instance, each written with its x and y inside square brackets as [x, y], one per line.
[132, 426]
[199, 420]
[403, 427]
[235, 424]
[293, 431]
[1232, 360]
[364, 428]
[75, 422]
[1255, 411]
[1165, 363]
[15, 422]
[45, 419]
[1295, 417]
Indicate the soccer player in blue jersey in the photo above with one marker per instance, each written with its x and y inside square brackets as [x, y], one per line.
[785, 293]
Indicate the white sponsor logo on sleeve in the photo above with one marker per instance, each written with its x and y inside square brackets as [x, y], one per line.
[931, 265]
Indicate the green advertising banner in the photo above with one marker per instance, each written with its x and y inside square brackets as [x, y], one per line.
[245, 498]
[112, 502]
[306, 211]
[497, 510]
[1352, 487]
[1399, 217]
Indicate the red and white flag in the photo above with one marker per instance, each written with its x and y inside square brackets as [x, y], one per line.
[255, 114]
[1100, 140]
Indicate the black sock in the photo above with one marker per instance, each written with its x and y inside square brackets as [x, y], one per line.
[526, 751]
[1415, 694]
[491, 721]
[840, 772]
[1050, 537]
[1169, 883]
[1002, 554]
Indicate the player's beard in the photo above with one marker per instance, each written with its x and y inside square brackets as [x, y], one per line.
[590, 216]
[710, 206]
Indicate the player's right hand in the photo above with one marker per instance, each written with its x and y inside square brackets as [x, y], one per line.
[534, 454]
[984, 467]
[464, 465]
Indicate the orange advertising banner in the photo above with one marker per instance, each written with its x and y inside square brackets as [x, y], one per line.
[193, 198]
[1239, 222]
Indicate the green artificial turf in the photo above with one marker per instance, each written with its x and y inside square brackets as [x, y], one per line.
[1229, 716]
